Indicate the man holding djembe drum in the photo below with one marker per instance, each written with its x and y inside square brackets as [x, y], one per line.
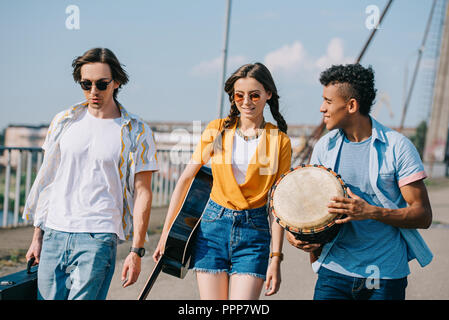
[388, 201]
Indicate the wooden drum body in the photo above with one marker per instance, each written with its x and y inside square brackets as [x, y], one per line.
[299, 199]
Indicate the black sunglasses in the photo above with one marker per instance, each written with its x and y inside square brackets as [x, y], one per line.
[99, 84]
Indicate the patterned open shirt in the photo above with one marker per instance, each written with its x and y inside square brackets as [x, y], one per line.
[138, 153]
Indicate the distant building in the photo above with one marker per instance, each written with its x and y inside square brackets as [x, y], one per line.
[24, 136]
[182, 135]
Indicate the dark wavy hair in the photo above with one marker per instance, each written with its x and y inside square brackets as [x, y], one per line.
[103, 55]
[356, 82]
[261, 73]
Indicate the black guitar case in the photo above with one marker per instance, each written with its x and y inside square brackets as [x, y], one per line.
[178, 248]
[21, 285]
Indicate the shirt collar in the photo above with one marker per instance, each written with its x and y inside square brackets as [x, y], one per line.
[377, 132]
[76, 110]
[125, 116]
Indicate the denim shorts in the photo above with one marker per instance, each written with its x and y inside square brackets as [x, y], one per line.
[236, 242]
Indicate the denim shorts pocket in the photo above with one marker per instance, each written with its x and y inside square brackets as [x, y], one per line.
[210, 214]
[104, 238]
[260, 223]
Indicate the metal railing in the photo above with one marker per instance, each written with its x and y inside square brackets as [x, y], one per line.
[19, 167]
[15, 183]
[171, 164]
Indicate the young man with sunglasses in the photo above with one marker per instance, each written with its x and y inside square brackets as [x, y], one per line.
[93, 189]
[388, 201]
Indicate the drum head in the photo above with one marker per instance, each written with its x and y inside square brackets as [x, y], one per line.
[300, 198]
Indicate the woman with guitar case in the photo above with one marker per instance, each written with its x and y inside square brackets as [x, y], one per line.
[231, 247]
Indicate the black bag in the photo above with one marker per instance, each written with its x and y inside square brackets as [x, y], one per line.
[21, 285]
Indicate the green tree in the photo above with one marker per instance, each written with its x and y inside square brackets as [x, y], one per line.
[419, 138]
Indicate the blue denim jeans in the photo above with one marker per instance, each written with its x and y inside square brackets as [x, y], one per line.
[335, 286]
[232, 241]
[76, 266]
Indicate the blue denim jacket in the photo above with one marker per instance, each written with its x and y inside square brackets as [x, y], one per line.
[391, 153]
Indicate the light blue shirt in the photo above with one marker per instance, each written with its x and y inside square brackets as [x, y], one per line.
[365, 245]
[393, 163]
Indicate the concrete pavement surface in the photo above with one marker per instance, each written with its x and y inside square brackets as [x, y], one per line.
[298, 279]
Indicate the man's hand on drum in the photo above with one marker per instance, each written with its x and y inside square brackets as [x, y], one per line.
[303, 245]
[355, 208]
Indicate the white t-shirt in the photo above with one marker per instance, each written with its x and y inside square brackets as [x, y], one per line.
[86, 193]
[242, 152]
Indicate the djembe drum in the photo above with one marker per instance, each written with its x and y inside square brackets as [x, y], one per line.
[299, 199]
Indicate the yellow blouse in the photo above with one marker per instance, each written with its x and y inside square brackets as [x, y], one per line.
[271, 159]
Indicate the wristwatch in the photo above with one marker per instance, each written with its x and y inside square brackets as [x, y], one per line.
[277, 254]
[140, 251]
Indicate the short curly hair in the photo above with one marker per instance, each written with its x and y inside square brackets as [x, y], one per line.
[356, 82]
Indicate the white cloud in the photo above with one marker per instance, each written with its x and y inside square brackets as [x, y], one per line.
[334, 55]
[288, 57]
[292, 58]
[214, 66]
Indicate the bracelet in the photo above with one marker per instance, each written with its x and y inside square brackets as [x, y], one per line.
[277, 254]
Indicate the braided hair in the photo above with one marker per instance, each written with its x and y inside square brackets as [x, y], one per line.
[261, 73]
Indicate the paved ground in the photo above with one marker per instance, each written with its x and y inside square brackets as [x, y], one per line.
[298, 279]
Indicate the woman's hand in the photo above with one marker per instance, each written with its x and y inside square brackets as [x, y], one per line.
[160, 247]
[273, 282]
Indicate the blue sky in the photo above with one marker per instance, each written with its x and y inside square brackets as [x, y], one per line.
[171, 50]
